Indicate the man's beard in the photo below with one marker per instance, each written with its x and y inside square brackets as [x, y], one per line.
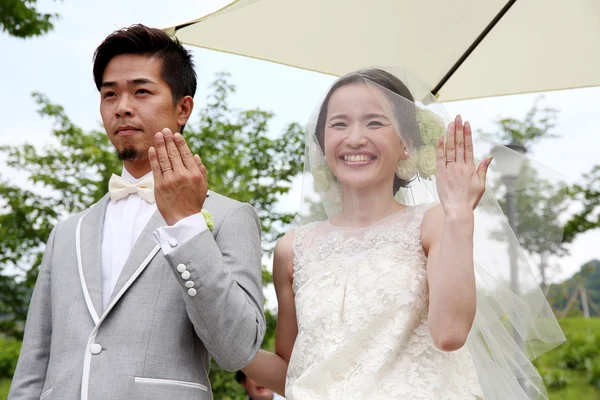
[129, 154]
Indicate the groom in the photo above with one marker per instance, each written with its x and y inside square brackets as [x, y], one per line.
[137, 293]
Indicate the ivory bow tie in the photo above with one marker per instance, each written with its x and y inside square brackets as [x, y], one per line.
[119, 188]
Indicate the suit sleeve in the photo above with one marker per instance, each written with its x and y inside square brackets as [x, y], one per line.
[30, 373]
[221, 279]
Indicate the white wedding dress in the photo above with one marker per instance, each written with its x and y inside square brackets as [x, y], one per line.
[361, 299]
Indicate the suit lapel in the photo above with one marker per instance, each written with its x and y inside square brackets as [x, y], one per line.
[143, 251]
[140, 255]
[90, 256]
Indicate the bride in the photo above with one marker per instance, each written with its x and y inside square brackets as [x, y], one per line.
[379, 292]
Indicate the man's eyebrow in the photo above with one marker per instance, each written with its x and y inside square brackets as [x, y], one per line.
[137, 81]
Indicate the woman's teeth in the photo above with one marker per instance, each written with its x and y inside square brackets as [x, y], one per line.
[357, 158]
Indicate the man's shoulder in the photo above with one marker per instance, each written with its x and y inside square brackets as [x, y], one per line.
[222, 207]
[218, 203]
[217, 199]
[70, 223]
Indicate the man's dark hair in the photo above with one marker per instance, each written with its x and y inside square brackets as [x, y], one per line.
[177, 64]
[240, 377]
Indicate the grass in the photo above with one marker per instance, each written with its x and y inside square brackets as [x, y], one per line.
[578, 386]
[580, 324]
[578, 389]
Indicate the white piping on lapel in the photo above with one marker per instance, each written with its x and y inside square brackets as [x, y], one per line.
[91, 340]
[129, 282]
[86, 293]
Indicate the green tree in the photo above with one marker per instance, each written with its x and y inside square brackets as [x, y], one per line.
[587, 193]
[243, 161]
[535, 127]
[539, 202]
[587, 277]
[21, 18]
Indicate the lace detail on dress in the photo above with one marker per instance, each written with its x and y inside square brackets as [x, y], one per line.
[361, 304]
[317, 241]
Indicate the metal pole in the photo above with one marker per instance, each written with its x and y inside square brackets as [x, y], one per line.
[584, 303]
[511, 213]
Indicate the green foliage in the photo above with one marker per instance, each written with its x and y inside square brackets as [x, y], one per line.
[554, 378]
[20, 18]
[586, 193]
[580, 348]
[571, 371]
[4, 388]
[536, 126]
[9, 355]
[592, 368]
[538, 202]
[589, 277]
[224, 385]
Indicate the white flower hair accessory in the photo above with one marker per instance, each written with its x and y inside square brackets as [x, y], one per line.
[422, 161]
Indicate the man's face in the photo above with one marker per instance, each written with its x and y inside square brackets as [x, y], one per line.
[257, 392]
[136, 103]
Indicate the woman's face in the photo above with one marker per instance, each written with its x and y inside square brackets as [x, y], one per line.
[362, 146]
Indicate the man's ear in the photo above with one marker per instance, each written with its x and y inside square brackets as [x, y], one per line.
[185, 106]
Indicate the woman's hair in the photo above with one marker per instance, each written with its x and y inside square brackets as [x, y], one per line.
[405, 116]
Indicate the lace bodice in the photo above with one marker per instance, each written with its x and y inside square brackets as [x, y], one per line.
[361, 305]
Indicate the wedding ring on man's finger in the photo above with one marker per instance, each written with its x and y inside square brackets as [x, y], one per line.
[167, 169]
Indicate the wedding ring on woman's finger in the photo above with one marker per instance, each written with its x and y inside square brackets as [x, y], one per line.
[167, 169]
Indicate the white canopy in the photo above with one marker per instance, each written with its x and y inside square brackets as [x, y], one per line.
[517, 46]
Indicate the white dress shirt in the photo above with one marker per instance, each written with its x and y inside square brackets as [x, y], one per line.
[124, 221]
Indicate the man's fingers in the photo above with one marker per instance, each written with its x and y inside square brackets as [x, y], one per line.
[154, 164]
[201, 166]
[172, 150]
[161, 150]
[184, 151]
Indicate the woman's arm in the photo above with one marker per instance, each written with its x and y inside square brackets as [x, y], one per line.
[448, 241]
[270, 369]
[447, 237]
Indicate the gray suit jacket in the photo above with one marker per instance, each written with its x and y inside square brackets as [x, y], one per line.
[154, 340]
